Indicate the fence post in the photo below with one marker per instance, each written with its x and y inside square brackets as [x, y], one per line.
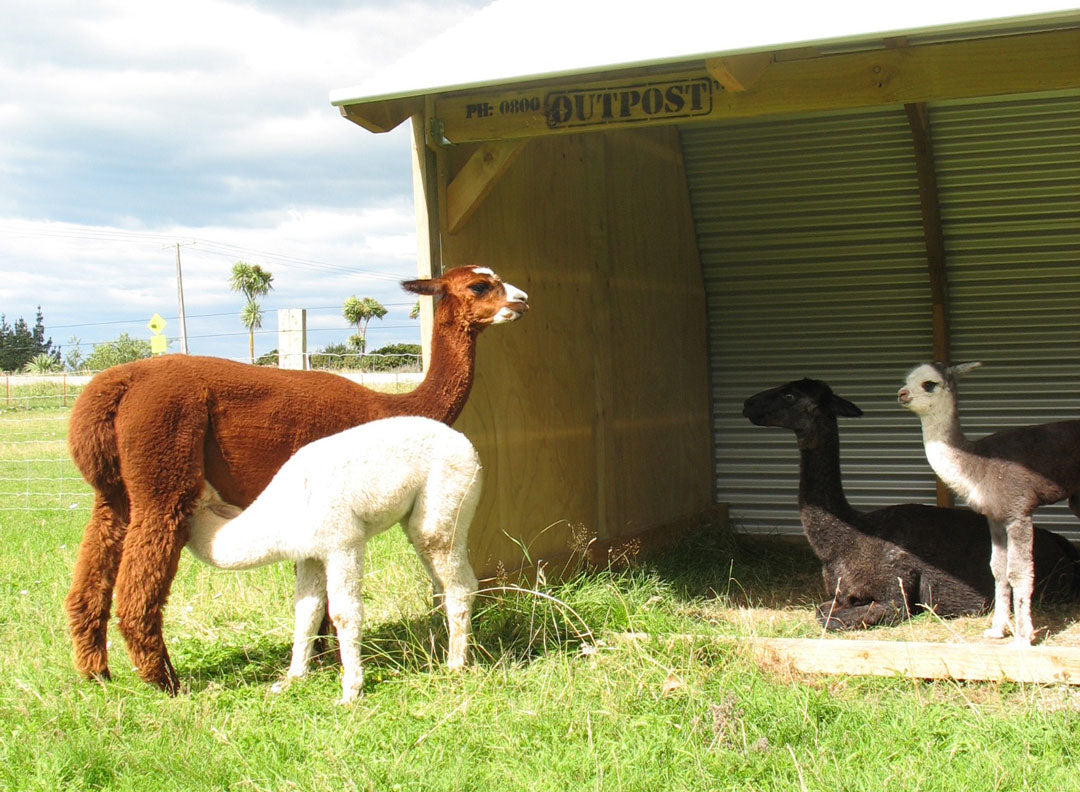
[292, 338]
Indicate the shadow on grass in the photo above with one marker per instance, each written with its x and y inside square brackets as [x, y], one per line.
[782, 572]
[507, 628]
[757, 571]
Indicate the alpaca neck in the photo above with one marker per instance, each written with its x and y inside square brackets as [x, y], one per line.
[948, 451]
[826, 514]
[943, 427]
[445, 389]
[242, 542]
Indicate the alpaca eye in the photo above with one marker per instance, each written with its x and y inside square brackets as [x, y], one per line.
[929, 386]
[789, 398]
[480, 289]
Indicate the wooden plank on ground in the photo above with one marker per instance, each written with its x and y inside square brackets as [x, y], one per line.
[977, 662]
[991, 662]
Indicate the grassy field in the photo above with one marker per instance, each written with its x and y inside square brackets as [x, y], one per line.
[556, 699]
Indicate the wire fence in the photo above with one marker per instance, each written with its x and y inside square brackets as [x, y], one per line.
[36, 471]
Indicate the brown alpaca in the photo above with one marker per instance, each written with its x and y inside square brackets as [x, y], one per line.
[145, 435]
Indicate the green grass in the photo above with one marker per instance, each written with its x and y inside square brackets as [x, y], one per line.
[556, 700]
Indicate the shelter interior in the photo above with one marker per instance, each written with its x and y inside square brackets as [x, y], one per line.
[691, 233]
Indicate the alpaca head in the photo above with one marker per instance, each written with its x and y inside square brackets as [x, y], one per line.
[474, 296]
[930, 389]
[808, 407]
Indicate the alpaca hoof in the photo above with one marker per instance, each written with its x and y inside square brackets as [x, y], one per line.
[280, 686]
[348, 698]
[1022, 641]
[98, 674]
[994, 632]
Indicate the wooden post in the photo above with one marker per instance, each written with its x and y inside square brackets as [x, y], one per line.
[934, 238]
[428, 235]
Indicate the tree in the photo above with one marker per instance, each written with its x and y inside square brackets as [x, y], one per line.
[334, 356]
[268, 359]
[19, 344]
[111, 353]
[252, 281]
[73, 360]
[41, 363]
[394, 356]
[359, 313]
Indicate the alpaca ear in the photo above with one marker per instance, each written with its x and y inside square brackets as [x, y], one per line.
[961, 368]
[845, 408]
[432, 287]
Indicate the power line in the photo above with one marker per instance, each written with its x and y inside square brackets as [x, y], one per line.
[210, 247]
[52, 328]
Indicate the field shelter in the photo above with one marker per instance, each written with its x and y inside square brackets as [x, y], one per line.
[706, 199]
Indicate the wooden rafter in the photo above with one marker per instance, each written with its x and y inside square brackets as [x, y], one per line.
[738, 72]
[382, 116]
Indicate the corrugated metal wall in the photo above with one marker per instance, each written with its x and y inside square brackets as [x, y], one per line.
[1009, 180]
[811, 241]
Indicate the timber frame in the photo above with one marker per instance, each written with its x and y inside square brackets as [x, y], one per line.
[525, 141]
[736, 86]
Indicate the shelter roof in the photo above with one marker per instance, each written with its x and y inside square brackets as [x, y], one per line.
[512, 41]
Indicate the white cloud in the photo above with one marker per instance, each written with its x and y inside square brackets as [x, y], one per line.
[128, 126]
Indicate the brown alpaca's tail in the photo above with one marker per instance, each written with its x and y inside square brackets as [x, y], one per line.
[92, 431]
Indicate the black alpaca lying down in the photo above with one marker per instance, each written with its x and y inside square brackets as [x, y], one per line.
[891, 563]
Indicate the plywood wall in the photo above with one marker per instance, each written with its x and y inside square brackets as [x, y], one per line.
[591, 414]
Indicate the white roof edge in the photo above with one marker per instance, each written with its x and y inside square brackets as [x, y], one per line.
[405, 79]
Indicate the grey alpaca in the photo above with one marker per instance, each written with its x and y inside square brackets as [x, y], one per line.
[888, 564]
[1005, 476]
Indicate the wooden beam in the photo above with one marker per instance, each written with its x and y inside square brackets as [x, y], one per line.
[428, 241]
[738, 72]
[986, 662]
[898, 75]
[382, 116]
[934, 239]
[976, 662]
[476, 179]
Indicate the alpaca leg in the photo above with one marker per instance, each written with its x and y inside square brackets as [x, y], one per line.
[446, 556]
[440, 538]
[999, 565]
[344, 575]
[90, 598]
[459, 589]
[833, 616]
[1021, 574]
[309, 607]
[147, 568]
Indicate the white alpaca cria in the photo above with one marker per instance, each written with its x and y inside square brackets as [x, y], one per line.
[322, 506]
[1005, 476]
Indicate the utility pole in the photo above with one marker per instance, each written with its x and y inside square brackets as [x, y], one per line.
[180, 301]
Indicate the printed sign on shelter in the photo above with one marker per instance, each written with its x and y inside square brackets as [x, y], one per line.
[597, 105]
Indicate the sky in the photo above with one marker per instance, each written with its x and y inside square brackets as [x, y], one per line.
[128, 127]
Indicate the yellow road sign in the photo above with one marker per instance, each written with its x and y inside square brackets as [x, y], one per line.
[156, 324]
